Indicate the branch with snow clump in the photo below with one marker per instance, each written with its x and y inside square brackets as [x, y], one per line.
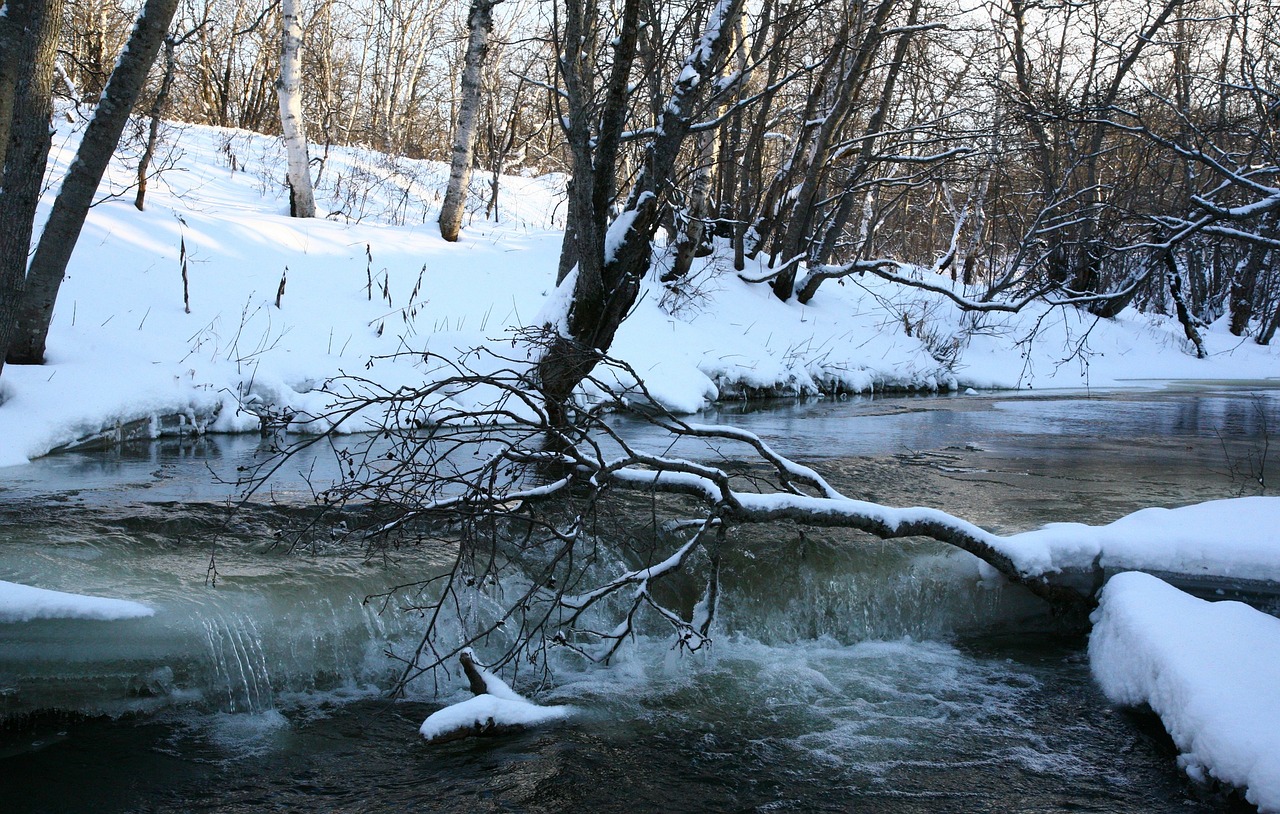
[496, 709]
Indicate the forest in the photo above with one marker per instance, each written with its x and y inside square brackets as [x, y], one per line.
[1098, 153]
[301, 221]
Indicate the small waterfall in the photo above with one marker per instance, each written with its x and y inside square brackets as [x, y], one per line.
[239, 664]
[274, 629]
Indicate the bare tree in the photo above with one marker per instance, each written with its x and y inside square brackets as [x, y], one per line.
[31, 39]
[538, 516]
[608, 259]
[58, 238]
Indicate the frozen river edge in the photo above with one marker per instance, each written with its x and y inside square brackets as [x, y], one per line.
[1208, 669]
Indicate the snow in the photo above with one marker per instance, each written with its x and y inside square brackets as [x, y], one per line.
[488, 711]
[374, 279]
[1226, 538]
[1208, 669]
[499, 706]
[23, 603]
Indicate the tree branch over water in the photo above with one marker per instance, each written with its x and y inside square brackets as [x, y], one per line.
[527, 508]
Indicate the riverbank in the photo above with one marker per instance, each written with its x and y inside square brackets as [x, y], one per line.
[215, 311]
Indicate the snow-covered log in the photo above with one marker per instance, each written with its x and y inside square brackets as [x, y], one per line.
[496, 709]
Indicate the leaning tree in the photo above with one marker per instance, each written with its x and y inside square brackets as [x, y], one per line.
[28, 292]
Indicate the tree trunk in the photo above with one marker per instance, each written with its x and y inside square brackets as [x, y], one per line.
[480, 24]
[72, 204]
[609, 270]
[11, 31]
[1179, 302]
[824, 252]
[692, 231]
[1244, 284]
[34, 28]
[798, 234]
[302, 202]
[1265, 335]
[153, 131]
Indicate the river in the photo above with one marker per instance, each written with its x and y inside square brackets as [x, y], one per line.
[846, 677]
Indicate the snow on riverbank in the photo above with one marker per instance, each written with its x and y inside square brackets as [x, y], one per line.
[23, 603]
[1236, 538]
[374, 279]
[1208, 669]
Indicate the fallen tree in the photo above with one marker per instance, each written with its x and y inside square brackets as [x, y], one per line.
[474, 462]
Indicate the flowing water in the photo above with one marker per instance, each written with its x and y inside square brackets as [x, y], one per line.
[849, 676]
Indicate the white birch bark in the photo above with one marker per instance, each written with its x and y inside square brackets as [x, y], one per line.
[480, 23]
[302, 203]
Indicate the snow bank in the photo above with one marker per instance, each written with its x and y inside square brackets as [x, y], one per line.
[1210, 670]
[22, 603]
[169, 320]
[1225, 538]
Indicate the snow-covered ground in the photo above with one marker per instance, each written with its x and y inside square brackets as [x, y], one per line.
[1210, 670]
[374, 278]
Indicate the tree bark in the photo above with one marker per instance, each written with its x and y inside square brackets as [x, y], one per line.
[33, 38]
[480, 24]
[612, 261]
[153, 130]
[302, 202]
[44, 277]
[11, 38]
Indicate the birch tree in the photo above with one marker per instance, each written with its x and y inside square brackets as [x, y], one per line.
[479, 27]
[302, 202]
